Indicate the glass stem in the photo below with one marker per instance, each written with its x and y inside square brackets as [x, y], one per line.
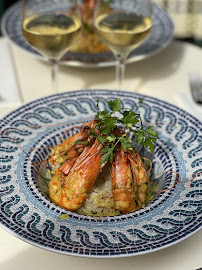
[120, 70]
[54, 75]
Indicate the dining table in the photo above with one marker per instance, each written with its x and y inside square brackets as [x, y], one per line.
[164, 75]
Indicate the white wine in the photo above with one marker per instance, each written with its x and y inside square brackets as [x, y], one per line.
[52, 34]
[123, 31]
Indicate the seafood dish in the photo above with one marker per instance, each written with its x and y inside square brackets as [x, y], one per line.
[98, 171]
[31, 136]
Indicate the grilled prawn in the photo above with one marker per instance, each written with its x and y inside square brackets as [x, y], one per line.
[80, 165]
[139, 175]
[129, 181]
[67, 149]
[122, 182]
[72, 183]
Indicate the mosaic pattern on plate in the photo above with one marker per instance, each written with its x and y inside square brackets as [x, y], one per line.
[28, 214]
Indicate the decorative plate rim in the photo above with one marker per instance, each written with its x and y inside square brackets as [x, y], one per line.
[89, 93]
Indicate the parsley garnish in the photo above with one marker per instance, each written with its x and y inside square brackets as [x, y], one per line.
[108, 121]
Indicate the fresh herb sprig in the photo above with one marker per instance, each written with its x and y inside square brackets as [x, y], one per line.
[108, 121]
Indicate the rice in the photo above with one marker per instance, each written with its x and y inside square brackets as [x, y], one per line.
[100, 201]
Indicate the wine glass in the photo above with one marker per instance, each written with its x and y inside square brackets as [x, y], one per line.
[123, 25]
[51, 27]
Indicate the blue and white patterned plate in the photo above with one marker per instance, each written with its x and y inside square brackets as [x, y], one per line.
[160, 37]
[27, 213]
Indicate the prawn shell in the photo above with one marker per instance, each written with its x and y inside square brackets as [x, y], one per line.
[122, 182]
[79, 185]
[140, 177]
[55, 188]
[81, 178]
[67, 149]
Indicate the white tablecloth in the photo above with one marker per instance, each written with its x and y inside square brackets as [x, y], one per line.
[164, 76]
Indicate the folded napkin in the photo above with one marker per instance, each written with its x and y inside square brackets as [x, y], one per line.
[189, 105]
[9, 93]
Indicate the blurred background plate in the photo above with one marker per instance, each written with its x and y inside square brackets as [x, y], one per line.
[160, 37]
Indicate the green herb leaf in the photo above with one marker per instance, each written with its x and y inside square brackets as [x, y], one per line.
[102, 139]
[150, 131]
[109, 154]
[79, 142]
[140, 101]
[115, 105]
[111, 138]
[104, 150]
[105, 129]
[139, 136]
[102, 115]
[126, 142]
[148, 143]
[130, 118]
[92, 133]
